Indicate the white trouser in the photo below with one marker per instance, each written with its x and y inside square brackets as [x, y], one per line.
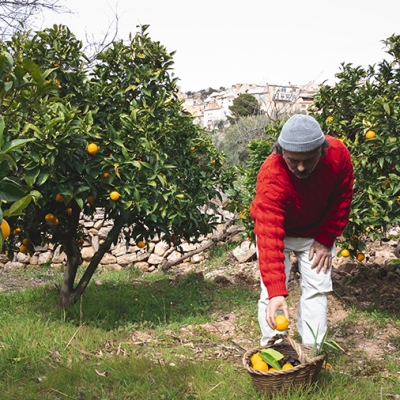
[313, 301]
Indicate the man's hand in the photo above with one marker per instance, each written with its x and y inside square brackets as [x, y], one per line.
[323, 257]
[275, 304]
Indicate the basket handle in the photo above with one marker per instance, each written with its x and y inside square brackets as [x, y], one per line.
[296, 346]
[274, 339]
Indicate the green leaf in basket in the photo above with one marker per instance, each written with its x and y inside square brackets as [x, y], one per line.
[278, 356]
[270, 360]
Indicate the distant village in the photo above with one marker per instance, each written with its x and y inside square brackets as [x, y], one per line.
[210, 107]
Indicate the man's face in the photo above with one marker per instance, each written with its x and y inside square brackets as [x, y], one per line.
[302, 164]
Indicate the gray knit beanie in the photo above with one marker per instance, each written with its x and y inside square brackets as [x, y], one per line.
[301, 133]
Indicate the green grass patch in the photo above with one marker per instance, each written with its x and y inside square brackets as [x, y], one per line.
[140, 336]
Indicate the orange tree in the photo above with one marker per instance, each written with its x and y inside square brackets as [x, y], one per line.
[113, 137]
[363, 110]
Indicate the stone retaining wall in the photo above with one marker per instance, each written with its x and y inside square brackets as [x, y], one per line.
[123, 254]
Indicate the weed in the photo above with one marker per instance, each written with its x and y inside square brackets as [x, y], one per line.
[319, 348]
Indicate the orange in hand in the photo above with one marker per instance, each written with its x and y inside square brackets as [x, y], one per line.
[281, 322]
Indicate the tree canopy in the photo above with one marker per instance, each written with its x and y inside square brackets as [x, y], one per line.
[244, 105]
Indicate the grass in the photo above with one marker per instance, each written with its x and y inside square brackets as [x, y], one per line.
[146, 337]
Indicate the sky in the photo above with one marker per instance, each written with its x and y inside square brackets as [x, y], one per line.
[225, 42]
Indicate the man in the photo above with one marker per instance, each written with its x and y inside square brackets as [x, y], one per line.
[302, 204]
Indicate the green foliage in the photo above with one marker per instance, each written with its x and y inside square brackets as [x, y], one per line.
[164, 167]
[243, 106]
[234, 140]
[367, 100]
[10, 191]
[259, 150]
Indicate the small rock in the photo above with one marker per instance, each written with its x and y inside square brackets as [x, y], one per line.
[108, 259]
[143, 266]
[244, 252]
[127, 259]
[160, 248]
[103, 232]
[154, 259]
[87, 253]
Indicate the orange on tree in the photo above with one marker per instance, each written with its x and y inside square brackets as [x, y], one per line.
[192, 148]
[49, 218]
[140, 244]
[92, 148]
[26, 241]
[59, 198]
[17, 231]
[345, 253]
[114, 195]
[370, 134]
[281, 322]
[23, 249]
[69, 211]
[106, 175]
[360, 256]
[90, 200]
[5, 228]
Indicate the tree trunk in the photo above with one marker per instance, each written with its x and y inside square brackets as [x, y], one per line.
[67, 286]
[70, 295]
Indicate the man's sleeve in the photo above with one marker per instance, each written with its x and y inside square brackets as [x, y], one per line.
[268, 213]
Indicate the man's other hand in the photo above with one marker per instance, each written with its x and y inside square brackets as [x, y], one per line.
[323, 257]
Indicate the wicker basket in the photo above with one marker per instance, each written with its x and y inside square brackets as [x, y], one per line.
[281, 381]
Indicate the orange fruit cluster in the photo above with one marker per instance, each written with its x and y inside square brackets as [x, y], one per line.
[257, 363]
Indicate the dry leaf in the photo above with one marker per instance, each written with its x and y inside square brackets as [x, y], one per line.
[104, 374]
